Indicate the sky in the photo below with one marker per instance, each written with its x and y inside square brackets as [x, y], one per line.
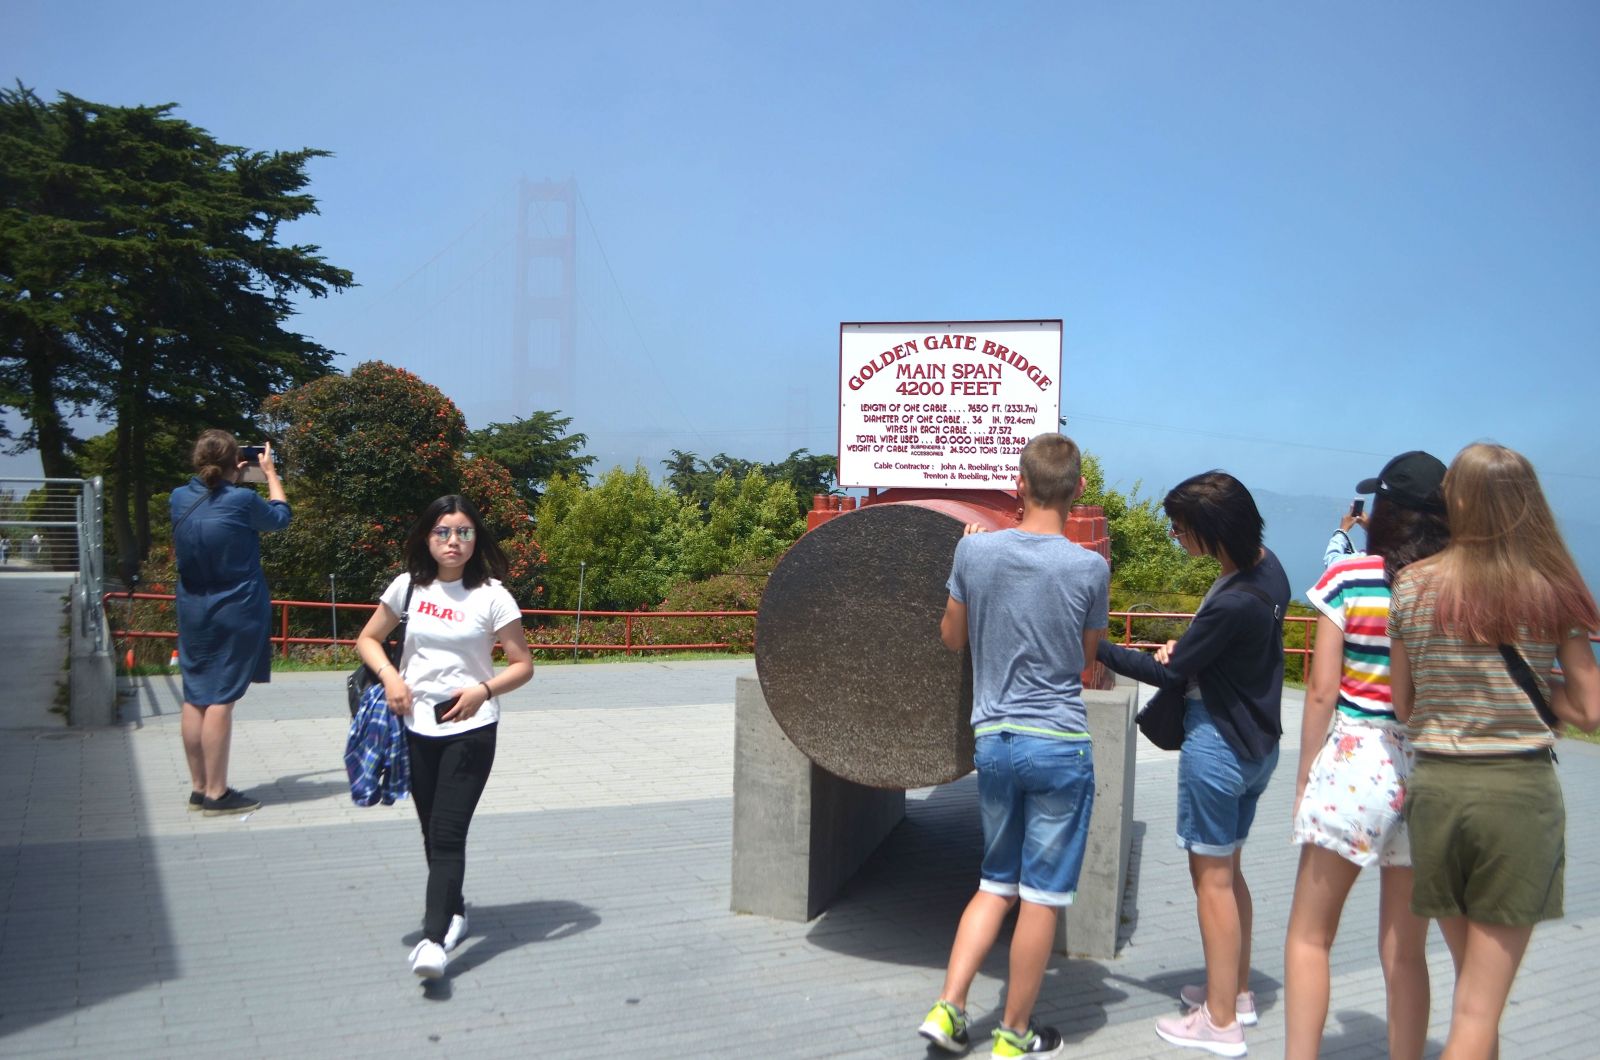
[1286, 240]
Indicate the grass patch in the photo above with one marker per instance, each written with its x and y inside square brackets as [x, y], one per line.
[1574, 733]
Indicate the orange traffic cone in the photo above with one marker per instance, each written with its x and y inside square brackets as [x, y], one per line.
[128, 660]
[172, 663]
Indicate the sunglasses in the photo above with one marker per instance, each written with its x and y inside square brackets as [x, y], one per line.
[463, 534]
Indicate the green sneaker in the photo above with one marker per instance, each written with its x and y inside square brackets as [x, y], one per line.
[946, 1027]
[1042, 1043]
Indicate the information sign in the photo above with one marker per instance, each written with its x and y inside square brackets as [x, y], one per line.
[946, 405]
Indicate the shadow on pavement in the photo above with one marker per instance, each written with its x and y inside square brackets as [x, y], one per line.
[903, 904]
[298, 787]
[85, 923]
[1352, 1032]
[497, 929]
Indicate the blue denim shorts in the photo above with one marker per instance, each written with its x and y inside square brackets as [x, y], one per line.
[1035, 795]
[1217, 790]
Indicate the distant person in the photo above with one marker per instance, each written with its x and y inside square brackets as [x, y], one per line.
[1033, 606]
[1355, 758]
[445, 690]
[1475, 632]
[35, 548]
[224, 609]
[1228, 669]
[1340, 545]
[5, 549]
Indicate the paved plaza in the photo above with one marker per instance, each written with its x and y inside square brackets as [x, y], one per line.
[598, 883]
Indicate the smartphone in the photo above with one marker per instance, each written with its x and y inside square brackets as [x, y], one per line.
[441, 709]
[251, 455]
[1358, 506]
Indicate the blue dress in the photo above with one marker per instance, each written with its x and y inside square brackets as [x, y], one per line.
[224, 609]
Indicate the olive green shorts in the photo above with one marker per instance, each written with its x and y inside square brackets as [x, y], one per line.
[1488, 839]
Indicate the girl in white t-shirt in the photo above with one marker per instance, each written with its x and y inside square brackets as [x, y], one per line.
[445, 690]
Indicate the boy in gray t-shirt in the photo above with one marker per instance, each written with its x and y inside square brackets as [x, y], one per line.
[1033, 606]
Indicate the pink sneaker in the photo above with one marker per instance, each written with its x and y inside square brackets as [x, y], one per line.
[1244, 1005]
[1196, 1031]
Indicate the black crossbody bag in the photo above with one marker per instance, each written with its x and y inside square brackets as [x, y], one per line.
[362, 677]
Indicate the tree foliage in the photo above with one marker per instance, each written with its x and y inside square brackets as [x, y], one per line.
[1144, 557]
[622, 538]
[370, 451]
[142, 280]
[695, 480]
[747, 520]
[533, 450]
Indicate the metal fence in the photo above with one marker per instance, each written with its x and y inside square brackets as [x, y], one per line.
[56, 524]
[283, 639]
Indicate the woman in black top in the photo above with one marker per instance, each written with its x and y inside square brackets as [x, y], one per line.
[1228, 670]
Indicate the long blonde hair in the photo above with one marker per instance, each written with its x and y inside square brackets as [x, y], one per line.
[1506, 567]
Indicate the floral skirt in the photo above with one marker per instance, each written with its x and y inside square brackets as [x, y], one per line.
[1357, 791]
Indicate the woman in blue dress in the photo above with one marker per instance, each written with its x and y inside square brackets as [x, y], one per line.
[224, 610]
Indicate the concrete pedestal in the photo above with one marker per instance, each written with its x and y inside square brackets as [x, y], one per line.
[1091, 923]
[799, 832]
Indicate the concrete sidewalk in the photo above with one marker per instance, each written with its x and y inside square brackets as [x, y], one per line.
[597, 884]
[34, 618]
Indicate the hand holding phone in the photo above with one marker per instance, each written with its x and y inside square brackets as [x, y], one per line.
[441, 709]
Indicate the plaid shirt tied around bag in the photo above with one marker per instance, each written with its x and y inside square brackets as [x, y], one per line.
[375, 754]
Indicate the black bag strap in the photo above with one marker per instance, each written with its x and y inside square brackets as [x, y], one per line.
[208, 493]
[1522, 674]
[399, 634]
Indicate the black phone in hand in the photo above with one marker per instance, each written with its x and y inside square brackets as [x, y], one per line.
[441, 709]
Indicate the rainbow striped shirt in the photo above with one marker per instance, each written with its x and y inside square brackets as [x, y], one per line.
[1355, 596]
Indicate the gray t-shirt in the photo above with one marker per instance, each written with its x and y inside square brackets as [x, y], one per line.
[1029, 598]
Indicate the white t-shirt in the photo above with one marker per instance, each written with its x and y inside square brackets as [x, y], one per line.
[449, 647]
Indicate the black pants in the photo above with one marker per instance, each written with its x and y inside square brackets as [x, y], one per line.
[447, 778]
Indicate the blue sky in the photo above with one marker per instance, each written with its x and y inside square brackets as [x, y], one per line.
[1286, 240]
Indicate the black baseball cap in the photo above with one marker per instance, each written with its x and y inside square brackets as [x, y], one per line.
[1411, 480]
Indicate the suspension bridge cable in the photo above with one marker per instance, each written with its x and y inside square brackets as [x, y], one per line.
[644, 347]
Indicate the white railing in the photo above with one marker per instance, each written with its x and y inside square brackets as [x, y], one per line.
[57, 524]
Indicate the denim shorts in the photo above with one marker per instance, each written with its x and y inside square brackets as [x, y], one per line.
[1217, 790]
[1035, 794]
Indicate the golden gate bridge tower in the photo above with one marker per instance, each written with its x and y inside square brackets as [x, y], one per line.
[544, 326]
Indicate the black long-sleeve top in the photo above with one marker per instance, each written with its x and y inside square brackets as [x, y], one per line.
[1234, 650]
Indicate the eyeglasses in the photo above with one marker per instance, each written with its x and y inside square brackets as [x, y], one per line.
[1174, 532]
[463, 534]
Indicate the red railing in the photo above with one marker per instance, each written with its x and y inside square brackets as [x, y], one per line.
[284, 640]
[1307, 624]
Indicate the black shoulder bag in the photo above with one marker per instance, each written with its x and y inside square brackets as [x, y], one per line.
[362, 677]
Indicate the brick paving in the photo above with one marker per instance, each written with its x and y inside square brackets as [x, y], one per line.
[598, 894]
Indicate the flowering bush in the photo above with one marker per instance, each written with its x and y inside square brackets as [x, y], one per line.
[367, 452]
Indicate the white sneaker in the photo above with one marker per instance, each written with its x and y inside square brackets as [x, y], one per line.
[456, 932]
[428, 960]
[1244, 1006]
